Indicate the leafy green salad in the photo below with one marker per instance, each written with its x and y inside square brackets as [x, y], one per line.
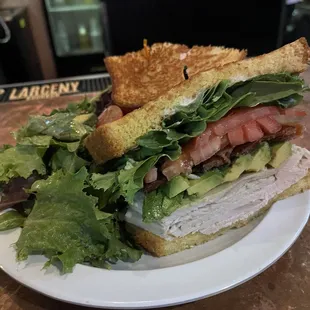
[60, 218]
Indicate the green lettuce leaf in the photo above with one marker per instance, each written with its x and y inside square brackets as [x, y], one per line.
[64, 226]
[119, 246]
[84, 107]
[118, 250]
[48, 141]
[65, 128]
[61, 126]
[106, 188]
[100, 215]
[67, 161]
[172, 149]
[127, 181]
[130, 179]
[44, 141]
[21, 161]
[11, 219]
[104, 181]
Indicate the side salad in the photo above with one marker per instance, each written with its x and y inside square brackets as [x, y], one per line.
[46, 181]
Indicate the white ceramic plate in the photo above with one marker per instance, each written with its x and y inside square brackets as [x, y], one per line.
[190, 275]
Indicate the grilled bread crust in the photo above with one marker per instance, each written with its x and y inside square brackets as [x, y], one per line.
[142, 76]
[115, 139]
[158, 246]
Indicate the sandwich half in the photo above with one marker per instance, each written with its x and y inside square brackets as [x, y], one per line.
[141, 76]
[208, 155]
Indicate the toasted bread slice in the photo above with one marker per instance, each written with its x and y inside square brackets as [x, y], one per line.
[116, 138]
[142, 76]
[161, 247]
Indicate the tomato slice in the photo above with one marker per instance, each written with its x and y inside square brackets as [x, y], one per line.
[236, 136]
[204, 152]
[109, 115]
[252, 131]
[240, 116]
[269, 125]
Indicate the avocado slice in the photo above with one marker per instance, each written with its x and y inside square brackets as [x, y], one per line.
[207, 182]
[176, 186]
[239, 166]
[280, 152]
[261, 158]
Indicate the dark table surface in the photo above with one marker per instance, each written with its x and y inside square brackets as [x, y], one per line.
[283, 286]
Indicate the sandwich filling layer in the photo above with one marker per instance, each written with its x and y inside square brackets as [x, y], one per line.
[222, 206]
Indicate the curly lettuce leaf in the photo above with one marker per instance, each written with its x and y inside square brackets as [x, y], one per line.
[119, 246]
[60, 133]
[104, 181]
[118, 250]
[124, 182]
[61, 126]
[11, 219]
[83, 107]
[67, 161]
[21, 161]
[171, 149]
[47, 141]
[64, 226]
[106, 188]
[64, 128]
[128, 180]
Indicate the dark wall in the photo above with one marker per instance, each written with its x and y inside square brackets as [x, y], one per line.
[243, 24]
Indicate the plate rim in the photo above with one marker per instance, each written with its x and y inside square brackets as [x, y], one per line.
[286, 244]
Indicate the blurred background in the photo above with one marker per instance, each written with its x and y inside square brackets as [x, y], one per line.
[49, 39]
